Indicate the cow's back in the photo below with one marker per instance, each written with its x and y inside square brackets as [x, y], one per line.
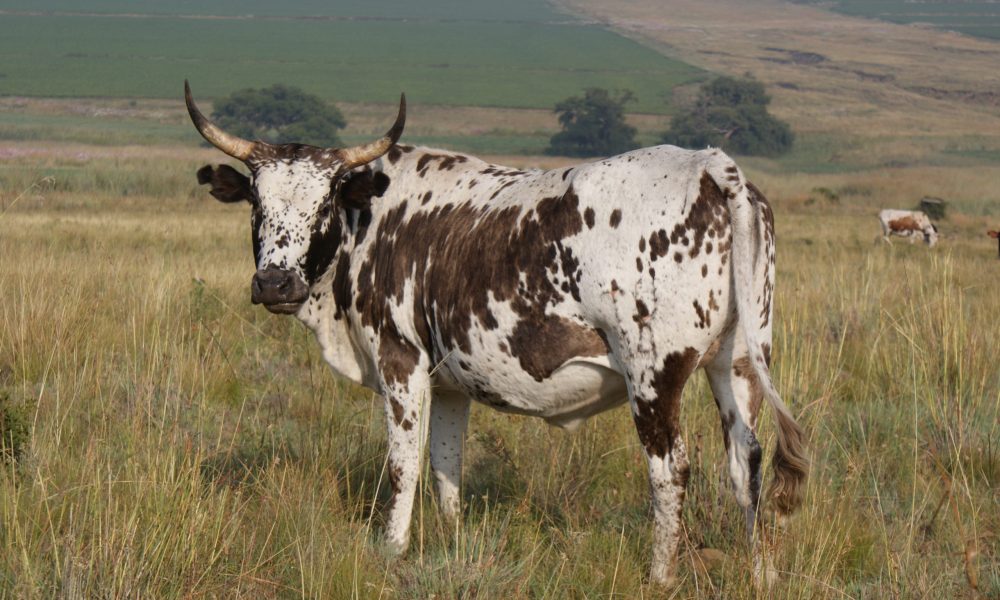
[520, 284]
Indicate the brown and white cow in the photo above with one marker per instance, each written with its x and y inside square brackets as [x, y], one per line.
[912, 224]
[437, 279]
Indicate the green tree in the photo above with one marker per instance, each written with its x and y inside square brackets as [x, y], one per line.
[731, 114]
[280, 114]
[593, 125]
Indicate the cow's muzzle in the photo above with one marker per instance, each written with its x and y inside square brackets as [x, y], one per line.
[280, 291]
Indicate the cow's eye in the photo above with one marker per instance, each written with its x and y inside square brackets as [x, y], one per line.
[324, 208]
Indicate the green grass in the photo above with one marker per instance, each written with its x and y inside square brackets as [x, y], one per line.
[980, 18]
[452, 10]
[530, 64]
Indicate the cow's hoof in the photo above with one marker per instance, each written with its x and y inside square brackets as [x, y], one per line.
[662, 577]
[394, 548]
[764, 573]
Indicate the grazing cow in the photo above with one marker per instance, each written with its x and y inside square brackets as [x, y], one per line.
[910, 224]
[995, 235]
[437, 279]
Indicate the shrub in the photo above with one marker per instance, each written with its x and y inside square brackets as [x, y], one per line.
[731, 114]
[279, 114]
[593, 125]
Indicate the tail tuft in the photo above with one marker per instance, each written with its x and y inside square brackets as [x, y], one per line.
[790, 465]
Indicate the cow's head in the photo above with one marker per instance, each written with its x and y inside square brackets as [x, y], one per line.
[297, 195]
[931, 235]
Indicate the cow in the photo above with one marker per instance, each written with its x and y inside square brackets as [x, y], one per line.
[438, 279]
[995, 235]
[910, 224]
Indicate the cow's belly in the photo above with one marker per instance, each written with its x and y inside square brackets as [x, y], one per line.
[577, 390]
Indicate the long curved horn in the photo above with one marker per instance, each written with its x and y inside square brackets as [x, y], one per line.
[364, 154]
[236, 147]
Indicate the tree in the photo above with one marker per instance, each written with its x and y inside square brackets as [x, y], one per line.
[731, 114]
[593, 125]
[279, 114]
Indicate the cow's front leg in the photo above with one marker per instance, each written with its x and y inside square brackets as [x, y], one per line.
[406, 387]
[449, 419]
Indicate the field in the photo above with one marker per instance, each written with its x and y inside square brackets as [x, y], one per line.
[972, 17]
[470, 58]
[185, 443]
[175, 441]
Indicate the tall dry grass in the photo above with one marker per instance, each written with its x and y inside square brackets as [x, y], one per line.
[182, 443]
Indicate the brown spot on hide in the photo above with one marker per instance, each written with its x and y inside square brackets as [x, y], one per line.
[358, 189]
[657, 419]
[542, 346]
[397, 358]
[642, 244]
[743, 368]
[659, 244]
[588, 217]
[616, 218]
[728, 418]
[459, 257]
[904, 224]
[704, 270]
[342, 286]
[708, 217]
[397, 410]
[397, 151]
[406, 425]
[704, 317]
[641, 315]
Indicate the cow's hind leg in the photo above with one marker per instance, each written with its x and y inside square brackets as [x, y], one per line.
[739, 397]
[655, 395]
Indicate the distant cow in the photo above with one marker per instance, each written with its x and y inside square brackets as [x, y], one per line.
[995, 235]
[912, 224]
[438, 279]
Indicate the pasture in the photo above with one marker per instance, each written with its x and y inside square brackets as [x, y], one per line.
[979, 18]
[469, 58]
[185, 443]
[172, 440]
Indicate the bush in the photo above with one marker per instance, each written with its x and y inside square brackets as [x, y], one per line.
[15, 429]
[593, 125]
[731, 114]
[280, 114]
[935, 208]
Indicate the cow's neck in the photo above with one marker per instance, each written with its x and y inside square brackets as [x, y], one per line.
[332, 327]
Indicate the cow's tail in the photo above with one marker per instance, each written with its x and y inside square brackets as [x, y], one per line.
[790, 463]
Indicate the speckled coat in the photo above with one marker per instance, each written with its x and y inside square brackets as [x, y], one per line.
[438, 279]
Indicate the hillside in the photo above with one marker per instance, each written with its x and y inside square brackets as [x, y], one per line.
[859, 92]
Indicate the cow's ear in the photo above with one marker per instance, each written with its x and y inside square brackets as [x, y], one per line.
[228, 184]
[380, 181]
[358, 188]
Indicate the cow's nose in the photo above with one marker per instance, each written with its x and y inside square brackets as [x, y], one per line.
[278, 288]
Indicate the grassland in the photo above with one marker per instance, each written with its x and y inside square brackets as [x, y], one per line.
[463, 60]
[178, 442]
[973, 17]
[185, 443]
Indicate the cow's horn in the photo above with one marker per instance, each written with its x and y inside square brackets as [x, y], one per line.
[362, 155]
[236, 147]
